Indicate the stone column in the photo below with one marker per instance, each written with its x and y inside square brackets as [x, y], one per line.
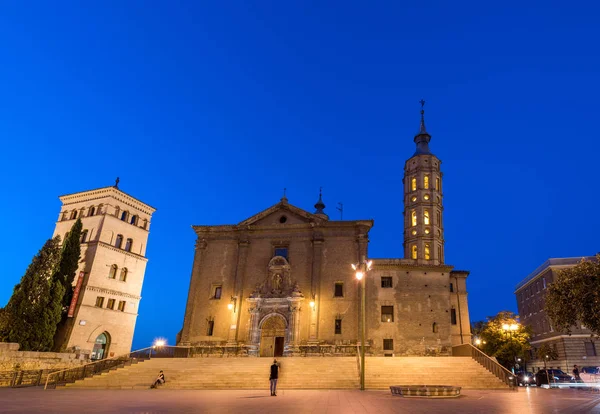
[190, 309]
[254, 332]
[240, 274]
[293, 330]
[315, 288]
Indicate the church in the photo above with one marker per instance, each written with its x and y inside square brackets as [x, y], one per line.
[280, 283]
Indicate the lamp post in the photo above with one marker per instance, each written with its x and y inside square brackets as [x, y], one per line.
[361, 270]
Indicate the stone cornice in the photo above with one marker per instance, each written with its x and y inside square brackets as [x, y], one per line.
[405, 264]
[99, 193]
[113, 248]
[203, 231]
[112, 292]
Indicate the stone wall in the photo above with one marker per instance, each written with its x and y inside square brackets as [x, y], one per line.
[11, 359]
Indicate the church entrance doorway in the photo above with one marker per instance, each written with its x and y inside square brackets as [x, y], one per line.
[101, 345]
[272, 336]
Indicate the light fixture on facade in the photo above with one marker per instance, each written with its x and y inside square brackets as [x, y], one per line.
[232, 303]
[82, 322]
[312, 302]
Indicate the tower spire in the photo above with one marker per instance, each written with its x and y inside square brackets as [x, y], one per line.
[320, 206]
[422, 102]
[422, 138]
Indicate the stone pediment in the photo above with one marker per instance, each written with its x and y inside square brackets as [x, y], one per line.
[280, 214]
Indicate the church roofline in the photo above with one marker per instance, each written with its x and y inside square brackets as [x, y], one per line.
[224, 228]
[387, 263]
[66, 198]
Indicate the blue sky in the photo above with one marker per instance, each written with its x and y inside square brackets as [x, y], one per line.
[207, 111]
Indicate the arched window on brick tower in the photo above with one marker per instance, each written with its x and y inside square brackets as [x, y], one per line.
[128, 245]
[123, 276]
[119, 241]
[113, 272]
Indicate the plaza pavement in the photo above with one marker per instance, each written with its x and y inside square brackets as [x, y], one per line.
[528, 400]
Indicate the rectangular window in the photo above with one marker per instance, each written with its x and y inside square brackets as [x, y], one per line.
[437, 183]
[281, 251]
[453, 316]
[387, 314]
[217, 290]
[413, 184]
[590, 349]
[386, 281]
[99, 301]
[338, 290]
[338, 326]
[426, 217]
[426, 182]
[122, 305]
[110, 304]
[427, 251]
[388, 344]
[413, 251]
[209, 329]
[451, 287]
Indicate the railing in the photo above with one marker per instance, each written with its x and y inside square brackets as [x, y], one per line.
[28, 378]
[488, 363]
[70, 375]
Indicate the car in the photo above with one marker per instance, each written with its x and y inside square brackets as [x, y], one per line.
[525, 378]
[552, 377]
[590, 374]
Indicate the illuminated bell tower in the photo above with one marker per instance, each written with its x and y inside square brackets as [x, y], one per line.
[423, 208]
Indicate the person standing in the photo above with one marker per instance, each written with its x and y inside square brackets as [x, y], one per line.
[576, 373]
[273, 377]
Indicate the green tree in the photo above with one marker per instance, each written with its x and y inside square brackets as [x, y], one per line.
[503, 337]
[575, 297]
[69, 262]
[31, 314]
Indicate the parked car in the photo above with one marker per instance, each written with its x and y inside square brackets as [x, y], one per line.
[525, 378]
[552, 377]
[590, 374]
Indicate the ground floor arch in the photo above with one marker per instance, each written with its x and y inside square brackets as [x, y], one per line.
[273, 332]
[101, 346]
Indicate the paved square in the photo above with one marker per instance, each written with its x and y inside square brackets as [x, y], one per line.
[529, 400]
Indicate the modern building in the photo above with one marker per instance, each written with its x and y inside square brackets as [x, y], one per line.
[280, 282]
[577, 348]
[109, 280]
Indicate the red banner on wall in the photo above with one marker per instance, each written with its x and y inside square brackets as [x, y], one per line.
[75, 295]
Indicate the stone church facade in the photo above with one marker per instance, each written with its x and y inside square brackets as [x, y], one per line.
[280, 282]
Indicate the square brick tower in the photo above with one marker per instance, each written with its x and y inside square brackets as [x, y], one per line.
[109, 279]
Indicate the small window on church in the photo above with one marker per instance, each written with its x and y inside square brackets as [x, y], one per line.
[110, 304]
[386, 281]
[451, 287]
[387, 314]
[413, 184]
[92, 211]
[427, 251]
[99, 301]
[413, 251]
[65, 215]
[338, 326]
[413, 218]
[122, 305]
[282, 219]
[84, 235]
[434, 327]
[426, 217]
[124, 216]
[113, 272]
[453, 316]
[281, 251]
[426, 197]
[426, 182]
[119, 241]
[388, 344]
[210, 328]
[134, 220]
[338, 290]
[73, 215]
[123, 276]
[437, 183]
[128, 245]
[217, 290]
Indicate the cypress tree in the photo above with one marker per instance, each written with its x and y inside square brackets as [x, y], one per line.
[69, 262]
[31, 314]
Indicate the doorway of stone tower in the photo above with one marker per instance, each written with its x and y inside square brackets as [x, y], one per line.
[278, 352]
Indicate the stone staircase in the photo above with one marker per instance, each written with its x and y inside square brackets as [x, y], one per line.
[297, 373]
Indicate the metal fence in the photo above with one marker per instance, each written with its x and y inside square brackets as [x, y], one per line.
[488, 363]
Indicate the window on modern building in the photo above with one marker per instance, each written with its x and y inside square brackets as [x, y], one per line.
[112, 274]
[217, 290]
[453, 316]
[388, 344]
[92, 211]
[387, 314]
[437, 183]
[413, 184]
[338, 326]
[426, 217]
[413, 217]
[122, 305]
[128, 245]
[123, 276]
[124, 216]
[427, 251]
[133, 220]
[281, 251]
[590, 349]
[110, 304]
[451, 287]
[338, 290]
[386, 281]
[99, 301]
[84, 235]
[426, 182]
[434, 327]
[73, 215]
[413, 251]
[544, 282]
[210, 328]
[119, 241]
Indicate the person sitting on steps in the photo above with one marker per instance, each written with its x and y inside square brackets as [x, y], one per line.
[159, 380]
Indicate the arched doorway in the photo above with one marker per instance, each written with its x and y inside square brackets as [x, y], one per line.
[101, 344]
[272, 336]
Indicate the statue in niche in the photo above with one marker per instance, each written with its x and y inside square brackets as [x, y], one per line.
[277, 282]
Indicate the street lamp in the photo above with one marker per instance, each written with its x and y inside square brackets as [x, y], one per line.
[361, 270]
[509, 329]
[478, 342]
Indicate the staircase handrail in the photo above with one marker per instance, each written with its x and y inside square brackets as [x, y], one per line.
[121, 357]
[488, 363]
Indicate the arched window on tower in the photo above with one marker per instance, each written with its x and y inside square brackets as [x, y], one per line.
[124, 216]
[134, 220]
[413, 218]
[92, 211]
[113, 272]
[426, 182]
[145, 224]
[128, 245]
[426, 217]
[65, 215]
[73, 214]
[119, 241]
[413, 184]
[427, 251]
[413, 251]
[84, 235]
[123, 276]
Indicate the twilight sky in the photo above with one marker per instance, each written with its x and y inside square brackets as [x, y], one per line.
[207, 111]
